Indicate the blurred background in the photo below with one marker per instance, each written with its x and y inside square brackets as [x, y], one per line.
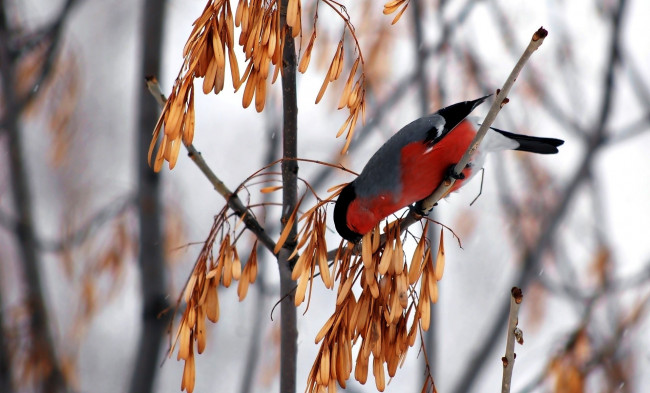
[93, 245]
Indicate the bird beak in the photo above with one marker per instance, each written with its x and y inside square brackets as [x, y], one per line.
[479, 101]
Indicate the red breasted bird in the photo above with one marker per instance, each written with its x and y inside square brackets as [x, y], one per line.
[414, 161]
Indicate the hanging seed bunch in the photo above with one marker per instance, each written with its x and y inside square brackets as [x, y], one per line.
[395, 5]
[353, 96]
[208, 46]
[212, 44]
[311, 244]
[384, 317]
[311, 240]
[201, 294]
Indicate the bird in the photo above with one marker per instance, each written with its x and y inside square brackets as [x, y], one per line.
[416, 159]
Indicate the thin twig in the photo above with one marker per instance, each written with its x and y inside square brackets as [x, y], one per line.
[563, 116]
[402, 87]
[551, 221]
[7, 221]
[513, 319]
[79, 236]
[253, 352]
[443, 189]
[533, 255]
[233, 201]
[501, 98]
[613, 60]
[53, 35]
[632, 130]
[42, 344]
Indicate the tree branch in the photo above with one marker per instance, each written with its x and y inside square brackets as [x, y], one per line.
[151, 258]
[548, 101]
[513, 319]
[289, 331]
[614, 56]
[252, 355]
[54, 36]
[443, 189]
[530, 261]
[6, 384]
[233, 201]
[532, 256]
[42, 350]
[80, 235]
[501, 99]
[401, 88]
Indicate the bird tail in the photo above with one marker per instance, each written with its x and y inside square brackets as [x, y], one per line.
[533, 144]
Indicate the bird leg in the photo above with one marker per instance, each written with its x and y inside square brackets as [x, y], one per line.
[451, 172]
[419, 211]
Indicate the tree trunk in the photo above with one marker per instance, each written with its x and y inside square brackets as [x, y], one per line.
[151, 256]
[289, 336]
[41, 349]
[5, 361]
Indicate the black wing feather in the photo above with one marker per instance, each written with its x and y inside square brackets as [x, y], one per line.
[533, 144]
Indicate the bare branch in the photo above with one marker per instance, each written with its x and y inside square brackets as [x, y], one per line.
[513, 319]
[151, 258]
[631, 130]
[7, 221]
[614, 56]
[42, 347]
[401, 88]
[253, 352]
[532, 256]
[548, 101]
[429, 342]
[530, 261]
[233, 201]
[443, 189]
[80, 235]
[53, 35]
[289, 334]
[6, 367]
[641, 89]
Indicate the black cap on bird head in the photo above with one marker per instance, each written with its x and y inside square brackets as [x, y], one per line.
[455, 113]
[346, 197]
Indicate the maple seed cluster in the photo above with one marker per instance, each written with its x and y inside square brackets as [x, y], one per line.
[393, 6]
[202, 299]
[211, 41]
[353, 96]
[385, 316]
[211, 45]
